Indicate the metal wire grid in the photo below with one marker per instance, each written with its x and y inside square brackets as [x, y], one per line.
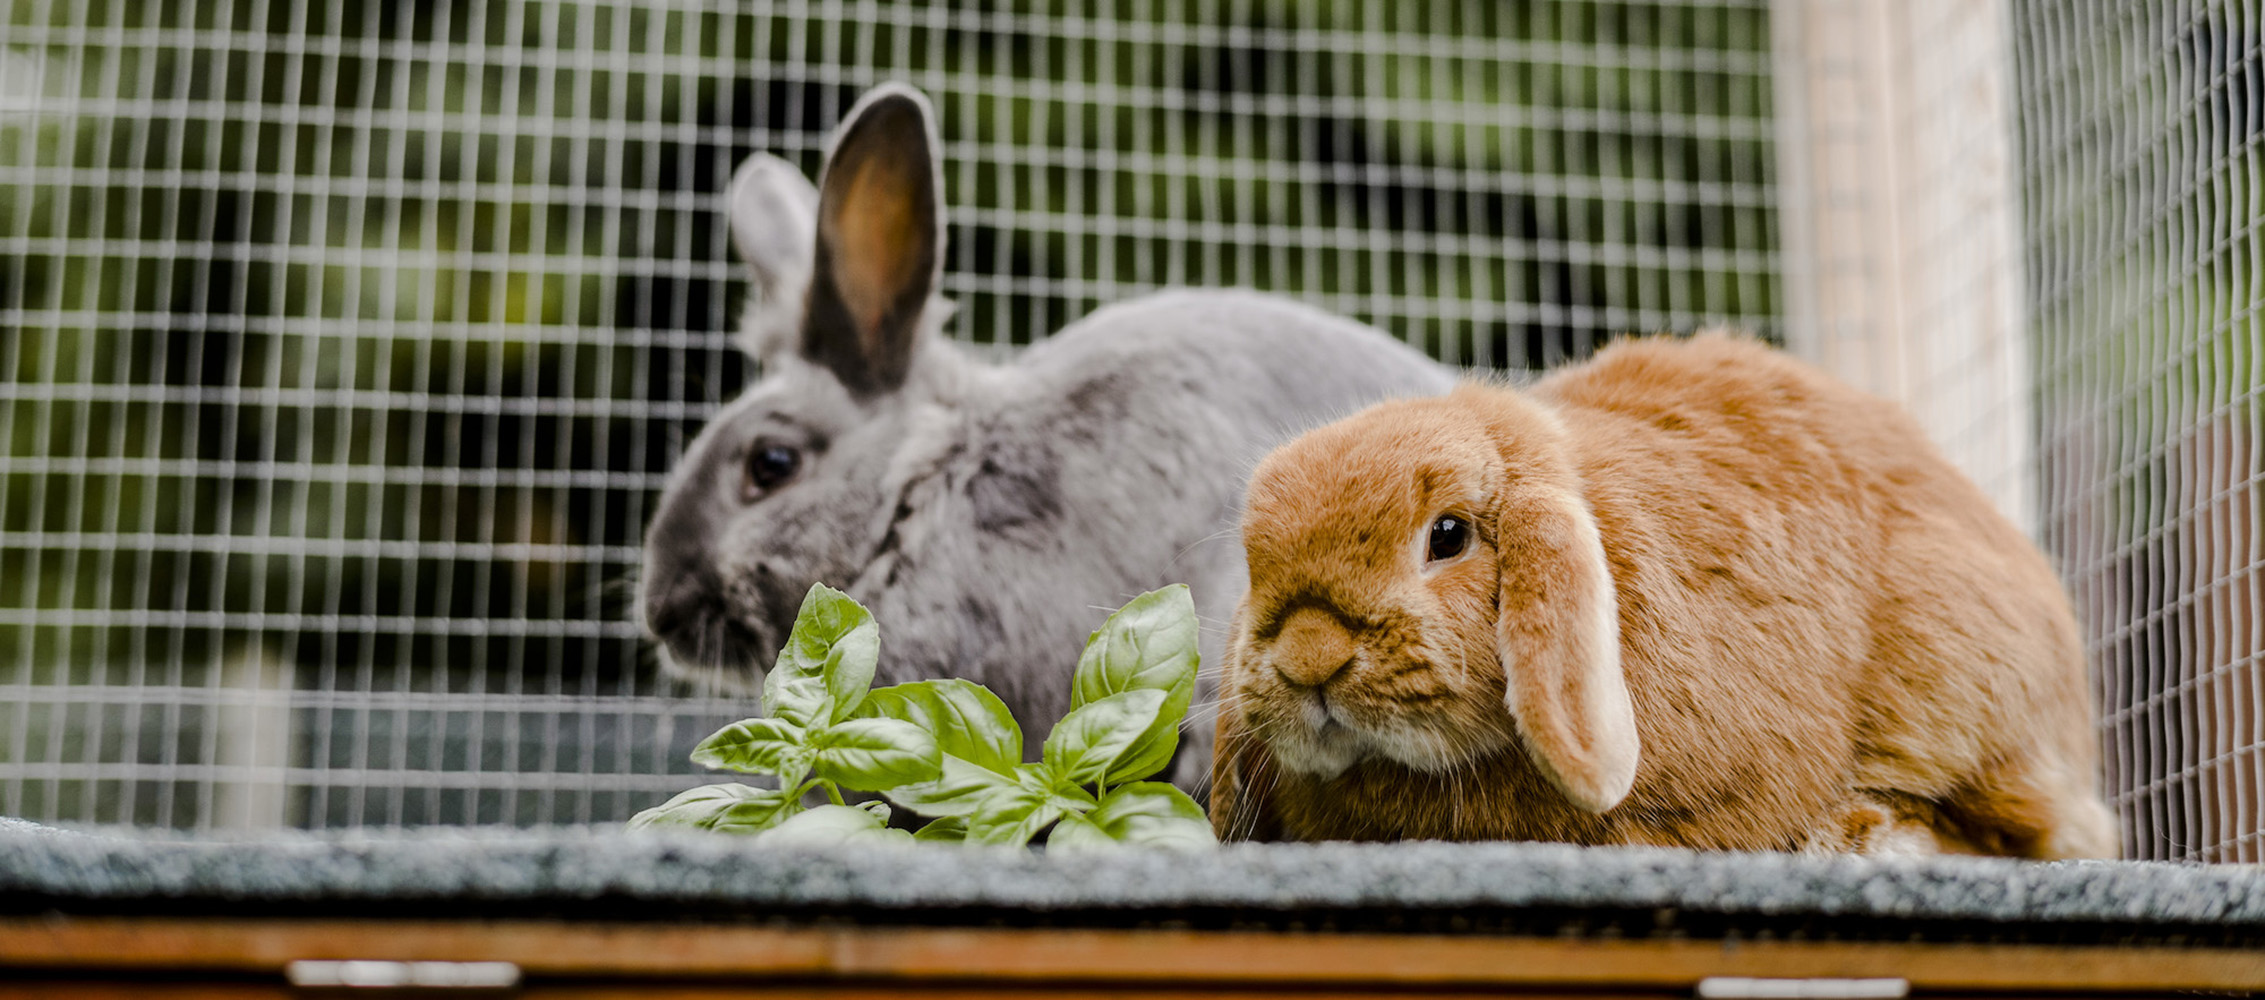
[2144, 140]
[347, 343]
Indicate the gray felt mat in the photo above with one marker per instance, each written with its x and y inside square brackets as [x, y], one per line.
[1524, 888]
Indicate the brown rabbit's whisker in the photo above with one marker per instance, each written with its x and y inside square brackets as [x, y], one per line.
[1200, 542]
[1245, 820]
[1250, 814]
[1455, 796]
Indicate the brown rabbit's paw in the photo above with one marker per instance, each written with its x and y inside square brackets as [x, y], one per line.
[2089, 831]
[1866, 826]
[2034, 807]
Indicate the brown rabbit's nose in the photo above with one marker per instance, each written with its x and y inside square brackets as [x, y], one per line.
[1312, 648]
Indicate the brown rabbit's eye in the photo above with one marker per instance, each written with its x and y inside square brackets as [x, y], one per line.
[768, 467]
[1448, 536]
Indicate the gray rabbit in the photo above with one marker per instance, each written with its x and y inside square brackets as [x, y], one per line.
[988, 514]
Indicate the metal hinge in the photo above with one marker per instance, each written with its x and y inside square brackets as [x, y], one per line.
[1742, 988]
[378, 977]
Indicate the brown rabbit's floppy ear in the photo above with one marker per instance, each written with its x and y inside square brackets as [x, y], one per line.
[1558, 635]
[880, 242]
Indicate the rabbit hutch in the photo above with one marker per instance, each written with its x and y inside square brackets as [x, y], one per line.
[346, 348]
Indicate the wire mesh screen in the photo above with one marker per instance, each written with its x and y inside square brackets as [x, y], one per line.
[347, 344]
[2143, 130]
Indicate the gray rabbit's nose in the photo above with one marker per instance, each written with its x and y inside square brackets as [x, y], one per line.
[690, 617]
[680, 606]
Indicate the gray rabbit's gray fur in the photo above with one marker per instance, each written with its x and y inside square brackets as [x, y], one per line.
[988, 514]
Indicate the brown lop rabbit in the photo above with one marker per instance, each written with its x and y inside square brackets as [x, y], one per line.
[1690, 593]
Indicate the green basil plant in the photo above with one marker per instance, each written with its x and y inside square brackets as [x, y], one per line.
[948, 749]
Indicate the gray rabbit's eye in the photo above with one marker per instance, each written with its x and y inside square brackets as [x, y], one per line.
[769, 466]
[1448, 536]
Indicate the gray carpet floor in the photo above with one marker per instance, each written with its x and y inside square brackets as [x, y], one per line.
[1511, 888]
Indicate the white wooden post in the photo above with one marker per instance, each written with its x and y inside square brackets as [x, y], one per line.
[1901, 221]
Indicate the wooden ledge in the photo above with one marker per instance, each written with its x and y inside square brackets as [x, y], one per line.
[66, 946]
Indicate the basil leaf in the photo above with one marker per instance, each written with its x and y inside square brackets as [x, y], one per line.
[1067, 794]
[1089, 741]
[949, 830]
[757, 815]
[967, 721]
[1147, 645]
[828, 661]
[829, 825]
[697, 807]
[1077, 833]
[756, 746]
[873, 755]
[958, 790]
[1010, 817]
[728, 808]
[1153, 814]
[850, 663]
[1149, 753]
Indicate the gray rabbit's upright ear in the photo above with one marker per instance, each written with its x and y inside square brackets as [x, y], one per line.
[774, 220]
[880, 242]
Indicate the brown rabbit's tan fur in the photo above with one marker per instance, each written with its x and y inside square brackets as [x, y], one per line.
[1830, 639]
